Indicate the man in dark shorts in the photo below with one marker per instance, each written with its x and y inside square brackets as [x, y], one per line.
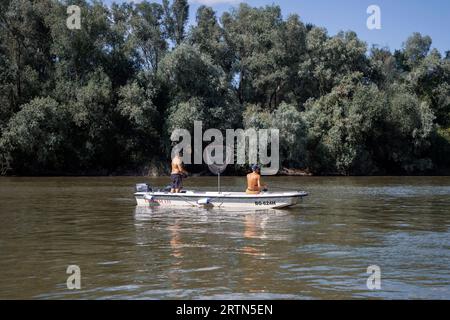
[177, 174]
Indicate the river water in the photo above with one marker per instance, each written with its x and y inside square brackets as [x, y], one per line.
[318, 250]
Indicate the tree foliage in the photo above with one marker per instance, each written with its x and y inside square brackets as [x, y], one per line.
[104, 99]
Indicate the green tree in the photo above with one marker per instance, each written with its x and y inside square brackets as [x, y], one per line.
[345, 127]
[255, 36]
[141, 137]
[292, 129]
[383, 67]
[208, 35]
[430, 80]
[80, 52]
[330, 59]
[293, 135]
[36, 138]
[176, 17]
[210, 88]
[104, 99]
[148, 35]
[119, 62]
[7, 96]
[25, 50]
[409, 132]
[416, 48]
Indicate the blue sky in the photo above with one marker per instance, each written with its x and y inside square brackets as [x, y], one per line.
[399, 18]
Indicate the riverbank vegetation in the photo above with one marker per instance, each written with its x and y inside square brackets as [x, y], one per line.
[104, 99]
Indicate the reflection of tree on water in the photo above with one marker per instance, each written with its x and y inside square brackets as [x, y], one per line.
[160, 246]
[189, 250]
[263, 249]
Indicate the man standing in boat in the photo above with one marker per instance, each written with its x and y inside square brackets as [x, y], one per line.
[254, 185]
[177, 174]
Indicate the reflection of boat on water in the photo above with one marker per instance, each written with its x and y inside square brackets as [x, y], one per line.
[149, 212]
[145, 196]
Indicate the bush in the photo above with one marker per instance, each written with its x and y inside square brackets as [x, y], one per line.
[37, 138]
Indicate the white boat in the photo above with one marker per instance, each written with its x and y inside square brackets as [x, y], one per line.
[241, 200]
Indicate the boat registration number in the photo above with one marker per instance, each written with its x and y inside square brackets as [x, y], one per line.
[265, 203]
[163, 201]
[158, 201]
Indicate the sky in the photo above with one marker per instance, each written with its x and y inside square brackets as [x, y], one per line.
[399, 18]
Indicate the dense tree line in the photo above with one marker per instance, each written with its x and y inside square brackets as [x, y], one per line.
[104, 99]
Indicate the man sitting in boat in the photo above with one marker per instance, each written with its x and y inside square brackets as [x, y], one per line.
[177, 174]
[254, 185]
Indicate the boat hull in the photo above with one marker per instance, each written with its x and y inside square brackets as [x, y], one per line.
[236, 200]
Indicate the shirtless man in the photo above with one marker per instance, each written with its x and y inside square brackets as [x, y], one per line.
[254, 185]
[177, 174]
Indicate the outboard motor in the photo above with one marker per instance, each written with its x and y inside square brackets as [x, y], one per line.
[143, 187]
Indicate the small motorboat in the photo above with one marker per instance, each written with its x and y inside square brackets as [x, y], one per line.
[145, 196]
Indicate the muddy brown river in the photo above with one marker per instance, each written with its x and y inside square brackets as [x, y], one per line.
[320, 249]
